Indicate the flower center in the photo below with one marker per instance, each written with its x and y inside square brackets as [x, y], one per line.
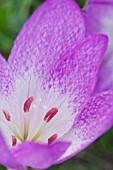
[24, 136]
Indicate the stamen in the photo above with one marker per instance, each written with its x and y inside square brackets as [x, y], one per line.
[16, 132]
[50, 114]
[6, 114]
[26, 126]
[37, 135]
[28, 103]
[14, 140]
[52, 138]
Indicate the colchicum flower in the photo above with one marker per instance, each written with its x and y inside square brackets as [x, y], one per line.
[47, 111]
[98, 15]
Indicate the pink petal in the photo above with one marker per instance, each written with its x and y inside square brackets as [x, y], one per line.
[105, 75]
[67, 83]
[94, 120]
[6, 158]
[3, 74]
[75, 75]
[98, 17]
[37, 155]
[2, 66]
[101, 1]
[54, 27]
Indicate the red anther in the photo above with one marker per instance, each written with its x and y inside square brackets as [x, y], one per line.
[52, 138]
[14, 140]
[50, 114]
[6, 114]
[28, 103]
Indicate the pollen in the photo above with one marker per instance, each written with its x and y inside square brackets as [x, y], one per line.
[28, 103]
[14, 140]
[52, 138]
[6, 114]
[50, 114]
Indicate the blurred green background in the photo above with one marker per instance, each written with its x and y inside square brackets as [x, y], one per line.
[13, 14]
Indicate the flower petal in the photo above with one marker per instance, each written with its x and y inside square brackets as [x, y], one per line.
[47, 33]
[37, 155]
[94, 120]
[98, 21]
[98, 18]
[6, 158]
[100, 1]
[66, 84]
[105, 75]
[2, 66]
[76, 74]
[5, 76]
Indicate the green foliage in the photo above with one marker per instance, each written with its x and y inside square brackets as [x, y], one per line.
[81, 3]
[13, 14]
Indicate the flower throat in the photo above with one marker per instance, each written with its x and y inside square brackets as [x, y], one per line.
[23, 137]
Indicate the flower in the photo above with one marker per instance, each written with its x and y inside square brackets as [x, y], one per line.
[98, 17]
[47, 111]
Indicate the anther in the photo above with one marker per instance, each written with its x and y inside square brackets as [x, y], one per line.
[6, 114]
[14, 140]
[27, 104]
[52, 138]
[50, 114]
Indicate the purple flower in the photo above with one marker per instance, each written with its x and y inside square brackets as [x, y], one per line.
[47, 112]
[98, 18]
